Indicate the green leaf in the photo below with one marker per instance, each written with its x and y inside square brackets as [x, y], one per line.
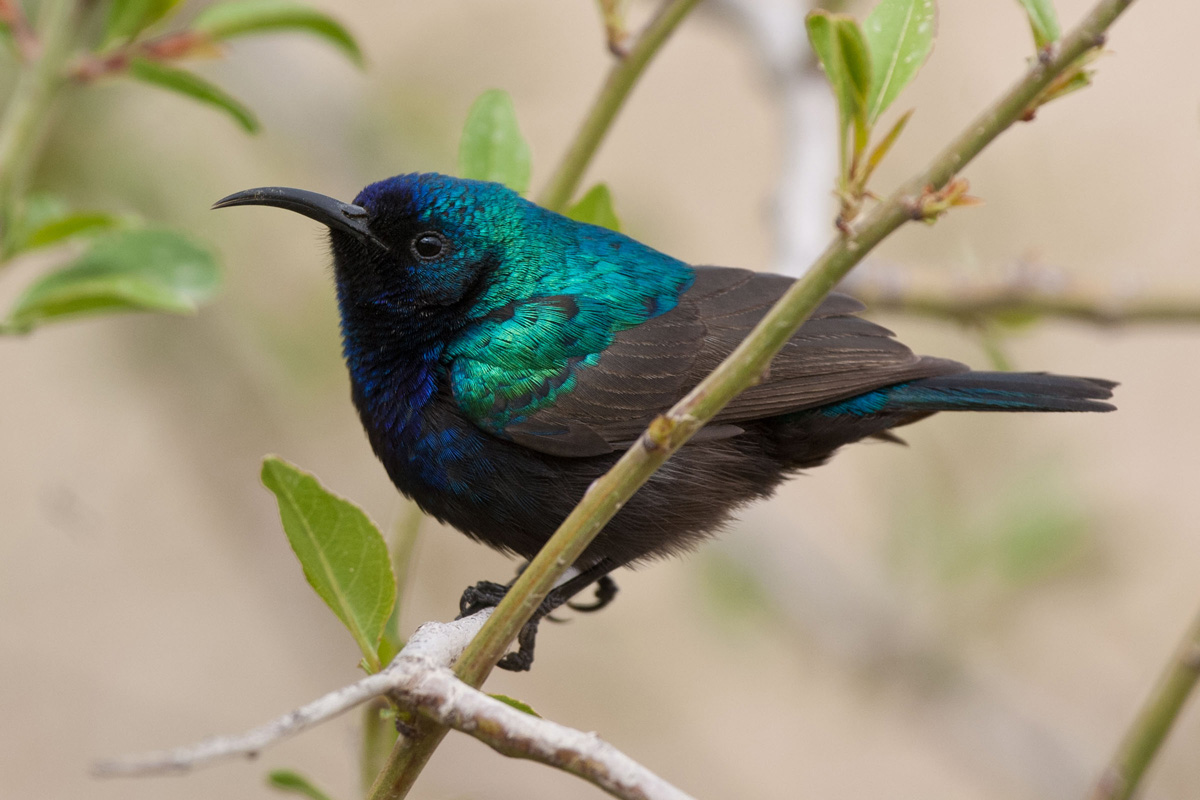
[229, 19]
[342, 552]
[69, 226]
[596, 208]
[1042, 21]
[187, 83]
[140, 270]
[1079, 78]
[885, 145]
[286, 780]
[127, 18]
[842, 51]
[46, 220]
[517, 704]
[857, 59]
[38, 209]
[899, 35]
[492, 148]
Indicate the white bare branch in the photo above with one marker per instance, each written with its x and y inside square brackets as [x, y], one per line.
[420, 679]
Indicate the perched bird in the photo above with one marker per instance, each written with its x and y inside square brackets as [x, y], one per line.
[502, 357]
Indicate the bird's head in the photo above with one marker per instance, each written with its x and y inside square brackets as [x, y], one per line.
[413, 241]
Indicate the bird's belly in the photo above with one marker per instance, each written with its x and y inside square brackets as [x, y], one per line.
[513, 498]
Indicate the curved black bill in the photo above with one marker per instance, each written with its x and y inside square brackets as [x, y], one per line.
[334, 213]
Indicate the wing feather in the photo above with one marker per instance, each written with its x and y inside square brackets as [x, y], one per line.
[582, 394]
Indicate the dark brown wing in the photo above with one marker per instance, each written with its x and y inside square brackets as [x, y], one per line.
[647, 368]
[833, 356]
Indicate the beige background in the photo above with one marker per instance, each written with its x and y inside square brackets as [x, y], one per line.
[899, 637]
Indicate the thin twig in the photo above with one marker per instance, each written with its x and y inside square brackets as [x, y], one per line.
[620, 81]
[434, 645]
[168, 47]
[419, 679]
[1152, 724]
[1029, 294]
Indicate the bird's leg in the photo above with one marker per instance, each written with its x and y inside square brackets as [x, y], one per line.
[486, 594]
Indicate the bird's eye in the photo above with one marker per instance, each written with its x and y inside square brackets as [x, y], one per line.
[428, 246]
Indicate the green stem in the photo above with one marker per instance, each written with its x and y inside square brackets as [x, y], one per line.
[409, 756]
[28, 109]
[379, 736]
[745, 365]
[620, 81]
[1153, 722]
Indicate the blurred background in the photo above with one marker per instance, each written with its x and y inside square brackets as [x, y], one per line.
[977, 615]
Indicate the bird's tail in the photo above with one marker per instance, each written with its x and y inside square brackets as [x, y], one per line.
[999, 391]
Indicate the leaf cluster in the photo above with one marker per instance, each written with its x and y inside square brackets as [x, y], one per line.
[867, 67]
[493, 149]
[108, 262]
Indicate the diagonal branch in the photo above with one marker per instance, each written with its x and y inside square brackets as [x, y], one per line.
[419, 679]
[746, 364]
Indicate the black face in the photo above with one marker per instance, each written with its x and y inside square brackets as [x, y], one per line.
[388, 250]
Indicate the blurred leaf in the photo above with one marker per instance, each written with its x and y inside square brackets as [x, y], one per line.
[141, 270]
[517, 704]
[240, 17]
[1038, 537]
[732, 587]
[42, 208]
[46, 220]
[286, 780]
[492, 148]
[596, 208]
[193, 86]
[1027, 528]
[899, 35]
[84, 222]
[842, 51]
[857, 59]
[127, 18]
[342, 552]
[993, 344]
[38, 209]
[1042, 21]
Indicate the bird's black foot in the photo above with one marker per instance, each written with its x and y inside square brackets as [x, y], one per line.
[486, 594]
[606, 590]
